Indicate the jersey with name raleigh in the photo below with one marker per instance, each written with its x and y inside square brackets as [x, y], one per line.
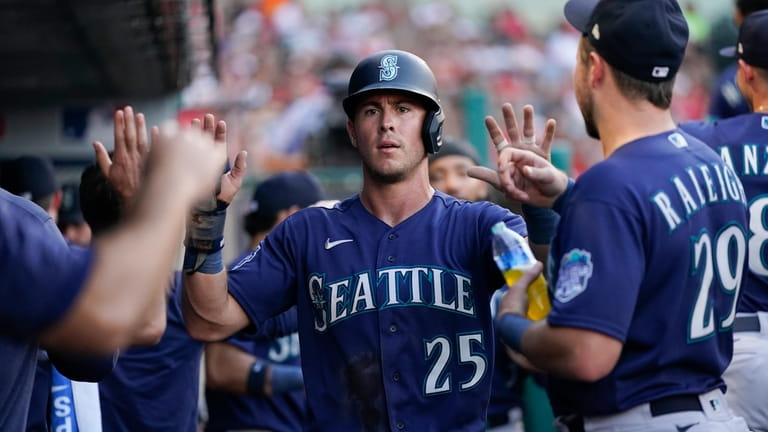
[697, 187]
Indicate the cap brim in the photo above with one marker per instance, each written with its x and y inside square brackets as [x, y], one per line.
[728, 51]
[578, 13]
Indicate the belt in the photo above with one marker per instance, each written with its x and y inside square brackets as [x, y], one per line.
[749, 323]
[667, 405]
[673, 404]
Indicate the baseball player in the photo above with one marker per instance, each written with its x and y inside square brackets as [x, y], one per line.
[153, 387]
[650, 248]
[726, 100]
[392, 284]
[42, 276]
[742, 142]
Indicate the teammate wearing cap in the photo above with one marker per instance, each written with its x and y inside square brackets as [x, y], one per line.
[742, 142]
[34, 178]
[93, 301]
[392, 284]
[256, 383]
[726, 100]
[651, 246]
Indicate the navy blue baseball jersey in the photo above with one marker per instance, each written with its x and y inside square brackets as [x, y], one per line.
[41, 276]
[155, 388]
[650, 250]
[742, 142]
[726, 99]
[395, 324]
[283, 412]
[41, 272]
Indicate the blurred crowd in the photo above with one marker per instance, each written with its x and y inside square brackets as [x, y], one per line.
[281, 73]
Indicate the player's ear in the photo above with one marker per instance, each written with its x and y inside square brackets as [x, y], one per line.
[597, 69]
[351, 133]
[746, 70]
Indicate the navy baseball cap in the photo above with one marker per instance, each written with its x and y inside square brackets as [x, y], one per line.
[752, 46]
[284, 190]
[31, 177]
[645, 39]
[456, 147]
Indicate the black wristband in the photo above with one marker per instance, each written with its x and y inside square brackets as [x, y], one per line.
[205, 227]
[256, 379]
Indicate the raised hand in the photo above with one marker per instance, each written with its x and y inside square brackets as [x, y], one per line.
[524, 172]
[124, 169]
[189, 158]
[526, 140]
[232, 180]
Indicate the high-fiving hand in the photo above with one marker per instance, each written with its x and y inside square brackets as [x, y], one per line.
[124, 168]
[524, 172]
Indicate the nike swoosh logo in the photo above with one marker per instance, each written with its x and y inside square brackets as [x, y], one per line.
[332, 244]
[54, 389]
[685, 428]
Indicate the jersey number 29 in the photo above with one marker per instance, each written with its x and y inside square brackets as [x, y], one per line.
[721, 257]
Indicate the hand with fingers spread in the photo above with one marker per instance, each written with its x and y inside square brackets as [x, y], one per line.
[124, 168]
[526, 141]
[205, 226]
[524, 171]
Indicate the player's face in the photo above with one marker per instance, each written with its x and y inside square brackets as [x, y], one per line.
[583, 93]
[449, 174]
[387, 132]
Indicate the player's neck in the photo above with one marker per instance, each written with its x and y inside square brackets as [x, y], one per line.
[625, 121]
[394, 203]
[761, 106]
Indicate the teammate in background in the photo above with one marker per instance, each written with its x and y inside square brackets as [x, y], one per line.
[650, 248]
[742, 142]
[392, 285]
[257, 383]
[448, 173]
[34, 178]
[152, 388]
[94, 300]
[71, 223]
[726, 100]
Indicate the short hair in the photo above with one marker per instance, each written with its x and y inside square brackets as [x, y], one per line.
[657, 93]
[101, 204]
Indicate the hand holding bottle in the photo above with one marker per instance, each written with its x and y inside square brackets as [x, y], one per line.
[513, 257]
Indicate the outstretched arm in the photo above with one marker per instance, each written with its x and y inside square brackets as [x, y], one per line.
[565, 351]
[124, 171]
[524, 172]
[131, 263]
[229, 368]
[210, 313]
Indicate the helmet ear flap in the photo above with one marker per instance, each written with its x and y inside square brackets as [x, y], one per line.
[432, 131]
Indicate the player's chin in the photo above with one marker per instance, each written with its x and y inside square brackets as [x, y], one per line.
[388, 173]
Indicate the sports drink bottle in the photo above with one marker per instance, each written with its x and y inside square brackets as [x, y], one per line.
[513, 256]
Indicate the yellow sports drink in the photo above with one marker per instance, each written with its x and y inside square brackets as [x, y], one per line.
[513, 256]
[538, 299]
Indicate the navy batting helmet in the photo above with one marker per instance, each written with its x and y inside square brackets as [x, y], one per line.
[399, 70]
